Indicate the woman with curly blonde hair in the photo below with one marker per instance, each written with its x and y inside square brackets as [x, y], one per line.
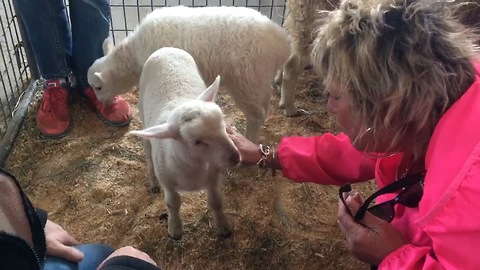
[403, 84]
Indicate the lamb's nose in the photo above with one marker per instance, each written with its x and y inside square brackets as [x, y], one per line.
[235, 158]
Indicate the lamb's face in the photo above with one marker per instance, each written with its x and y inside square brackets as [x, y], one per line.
[104, 81]
[207, 138]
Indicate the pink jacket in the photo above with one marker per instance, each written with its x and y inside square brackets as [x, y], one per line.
[444, 231]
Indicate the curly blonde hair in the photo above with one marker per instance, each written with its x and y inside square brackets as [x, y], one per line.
[402, 63]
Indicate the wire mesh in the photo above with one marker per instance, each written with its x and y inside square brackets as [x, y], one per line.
[14, 73]
[126, 14]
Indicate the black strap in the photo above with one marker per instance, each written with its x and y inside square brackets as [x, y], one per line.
[397, 185]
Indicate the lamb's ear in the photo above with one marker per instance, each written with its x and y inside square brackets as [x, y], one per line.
[211, 92]
[163, 131]
[107, 46]
[102, 76]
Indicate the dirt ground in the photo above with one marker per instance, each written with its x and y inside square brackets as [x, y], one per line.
[93, 183]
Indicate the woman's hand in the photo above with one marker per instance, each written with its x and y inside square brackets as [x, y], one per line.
[131, 252]
[60, 243]
[249, 151]
[372, 239]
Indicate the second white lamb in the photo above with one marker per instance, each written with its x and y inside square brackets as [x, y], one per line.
[184, 132]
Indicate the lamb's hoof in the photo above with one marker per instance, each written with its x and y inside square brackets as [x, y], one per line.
[174, 228]
[175, 237]
[225, 234]
[298, 113]
[154, 189]
[292, 111]
[163, 216]
[277, 89]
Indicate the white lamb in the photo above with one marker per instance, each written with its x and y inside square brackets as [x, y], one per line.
[184, 133]
[240, 44]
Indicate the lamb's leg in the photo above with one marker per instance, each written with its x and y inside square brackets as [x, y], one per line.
[277, 83]
[255, 119]
[249, 98]
[256, 113]
[175, 226]
[266, 102]
[215, 202]
[154, 185]
[291, 72]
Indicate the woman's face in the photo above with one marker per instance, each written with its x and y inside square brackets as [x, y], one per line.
[339, 105]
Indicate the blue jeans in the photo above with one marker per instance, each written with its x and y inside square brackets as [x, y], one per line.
[60, 48]
[94, 254]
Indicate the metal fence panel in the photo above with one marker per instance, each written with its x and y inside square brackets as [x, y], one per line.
[126, 14]
[17, 67]
[14, 73]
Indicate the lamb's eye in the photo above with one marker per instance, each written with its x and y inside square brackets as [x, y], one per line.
[199, 143]
[97, 88]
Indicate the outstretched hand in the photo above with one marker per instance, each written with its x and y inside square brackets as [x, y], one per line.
[60, 243]
[370, 240]
[249, 151]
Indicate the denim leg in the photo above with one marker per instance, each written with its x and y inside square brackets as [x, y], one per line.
[90, 25]
[47, 28]
[94, 254]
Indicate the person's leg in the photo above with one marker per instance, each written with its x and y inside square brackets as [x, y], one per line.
[49, 33]
[94, 254]
[50, 37]
[90, 27]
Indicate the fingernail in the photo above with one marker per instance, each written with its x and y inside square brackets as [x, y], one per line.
[352, 196]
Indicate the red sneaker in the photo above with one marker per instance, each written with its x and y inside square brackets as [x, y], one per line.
[53, 117]
[117, 114]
